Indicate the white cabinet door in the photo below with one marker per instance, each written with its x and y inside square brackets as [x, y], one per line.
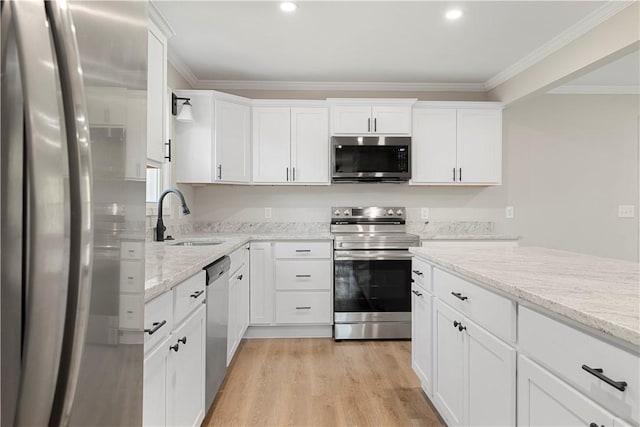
[271, 144]
[193, 145]
[136, 136]
[545, 400]
[310, 145]
[232, 141]
[479, 154]
[243, 303]
[421, 334]
[156, 93]
[391, 120]
[233, 321]
[434, 145]
[351, 119]
[448, 387]
[262, 289]
[154, 394]
[490, 379]
[186, 371]
[107, 107]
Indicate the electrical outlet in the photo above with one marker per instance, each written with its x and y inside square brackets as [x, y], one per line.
[508, 212]
[424, 213]
[626, 211]
[267, 213]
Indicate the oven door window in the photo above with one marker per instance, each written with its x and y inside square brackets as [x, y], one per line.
[372, 286]
[371, 159]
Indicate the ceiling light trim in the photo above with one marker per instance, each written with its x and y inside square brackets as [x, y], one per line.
[583, 26]
[341, 86]
[596, 90]
[182, 68]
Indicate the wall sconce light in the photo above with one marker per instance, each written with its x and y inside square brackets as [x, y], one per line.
[185, 113]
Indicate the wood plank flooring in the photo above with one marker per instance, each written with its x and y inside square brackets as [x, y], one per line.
[318, 382]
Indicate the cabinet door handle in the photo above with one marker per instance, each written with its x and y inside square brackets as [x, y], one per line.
[460, 175]
[220, 171]
[418, 272]
[454, 174]
[369, 125]
[287, 174]
[303, 275]
[458, 325]
[156, 326]
[294, 174]
[196, 294]
[594, 425]
[459, 296]
[175, 347]
[375, 124]
[303, 308]
[240, 277]
[182, 340]
[168, 156]
[599, 373]
[418, 294]
[303, 250]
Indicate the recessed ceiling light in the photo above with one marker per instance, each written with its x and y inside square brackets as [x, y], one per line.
[288, 6]
[453, 14]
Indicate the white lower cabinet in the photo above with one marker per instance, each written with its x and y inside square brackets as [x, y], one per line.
[545, 400]
[421, 345]
[154, 406]
[262, 298]
[238, 310]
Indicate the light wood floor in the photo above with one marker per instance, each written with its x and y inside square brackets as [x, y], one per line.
[318, 382]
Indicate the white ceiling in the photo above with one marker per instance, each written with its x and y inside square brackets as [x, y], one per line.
[379, 41]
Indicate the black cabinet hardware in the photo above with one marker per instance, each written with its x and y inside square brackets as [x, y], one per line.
[460, 175]
[594, 425]
[240, 277]
[454, 174]
[303, 250]
[156, 326]
[459, 296]
[220, 171]
[303, 308]
[168, 156]
[197, 294]
[458, 325]
[294, 174]
[418, 272]
[419, 294]
[599, 373]
[182, 340]
[375, 125]
[287, 174]
[413, 281]
[175, 347]
[368, 125]
[303, 275]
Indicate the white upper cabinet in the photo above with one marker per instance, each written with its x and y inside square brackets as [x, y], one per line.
[290, 145]
[363, 116]
[457, 145]
[232, 141]
[193, 145]
[156, 94]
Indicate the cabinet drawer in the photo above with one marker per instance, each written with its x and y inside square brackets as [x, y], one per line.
[132, 250]
[303, 307]
[421, 273]
[131, 275]
[237, 259]
[320, 250]
[494, 312]
[158, 320]
[188, 296]
[303, 274]
[564, 350]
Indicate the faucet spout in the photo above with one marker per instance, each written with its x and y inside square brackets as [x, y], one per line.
[160, 227]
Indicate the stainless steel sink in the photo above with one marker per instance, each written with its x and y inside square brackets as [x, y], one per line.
[198, 243]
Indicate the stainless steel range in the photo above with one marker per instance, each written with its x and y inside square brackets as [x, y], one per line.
[372, 273]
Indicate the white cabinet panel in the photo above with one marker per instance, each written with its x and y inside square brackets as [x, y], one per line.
[434, 145]
[303, 307]
[479, 149]
[545, 400]
[154, 394]
[188, 296]
[271, 144]
[193, 145]
[262, 284]
[351, 119]
[238, 310]
[303, 274]
[136, 136]
[421, 336]
[302, 249]
[156, 94]
[391, 120]
[310, 145]
[158, 320]
[232, 141]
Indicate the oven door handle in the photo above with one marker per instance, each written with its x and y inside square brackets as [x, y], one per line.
[371, 255]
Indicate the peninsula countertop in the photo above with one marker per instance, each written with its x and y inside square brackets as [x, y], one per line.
[599, 293]
[167, 264]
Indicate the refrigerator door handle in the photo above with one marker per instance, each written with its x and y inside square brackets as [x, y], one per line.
[81, 199]
[46, 258]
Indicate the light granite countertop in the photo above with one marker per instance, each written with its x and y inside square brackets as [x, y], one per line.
[599, 293]
[167, 265]
[427, 236]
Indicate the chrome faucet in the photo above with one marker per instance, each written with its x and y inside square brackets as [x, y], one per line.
[160, 228]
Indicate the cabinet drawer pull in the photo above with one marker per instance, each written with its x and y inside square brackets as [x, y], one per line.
[459, 296]
[368, 125]
[156, 326]
[599, 373]
[182, 340]
[594, 425]
[454, 174]
[240, 277]
[303, 275]
[196, 294]
[460, 175]
[419, 294]
[375, 125]
[175, 347]
[458, 325]
[303, 250]
[418, 272]
[303, 308]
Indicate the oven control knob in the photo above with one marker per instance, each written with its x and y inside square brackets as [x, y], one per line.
[399, 212]
[346, 212]
[336, 212]
[390, 212]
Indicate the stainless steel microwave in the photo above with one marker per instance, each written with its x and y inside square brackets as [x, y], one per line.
[371, 158]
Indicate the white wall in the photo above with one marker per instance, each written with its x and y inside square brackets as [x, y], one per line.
[570, 160]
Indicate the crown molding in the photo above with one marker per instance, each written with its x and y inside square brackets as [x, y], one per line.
[340, 86]
[182, 68]
[160, 21]
[583, 26]
[595, 90]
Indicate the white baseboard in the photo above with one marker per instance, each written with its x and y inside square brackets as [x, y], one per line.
[291, 331]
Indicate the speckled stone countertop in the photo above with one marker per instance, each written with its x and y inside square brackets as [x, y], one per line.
[599, 293]
[426, 236]
[166, 265]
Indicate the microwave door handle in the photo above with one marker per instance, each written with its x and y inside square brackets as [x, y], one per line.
[81, 198]
[46, 256]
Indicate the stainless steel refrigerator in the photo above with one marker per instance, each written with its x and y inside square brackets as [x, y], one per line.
[72, 211]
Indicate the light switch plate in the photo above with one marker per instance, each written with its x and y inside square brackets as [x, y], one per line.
[424, 213]
[626, 211]
[508, 212]
[267, 213]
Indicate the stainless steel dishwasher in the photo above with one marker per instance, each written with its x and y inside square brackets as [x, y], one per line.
[217, 320]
